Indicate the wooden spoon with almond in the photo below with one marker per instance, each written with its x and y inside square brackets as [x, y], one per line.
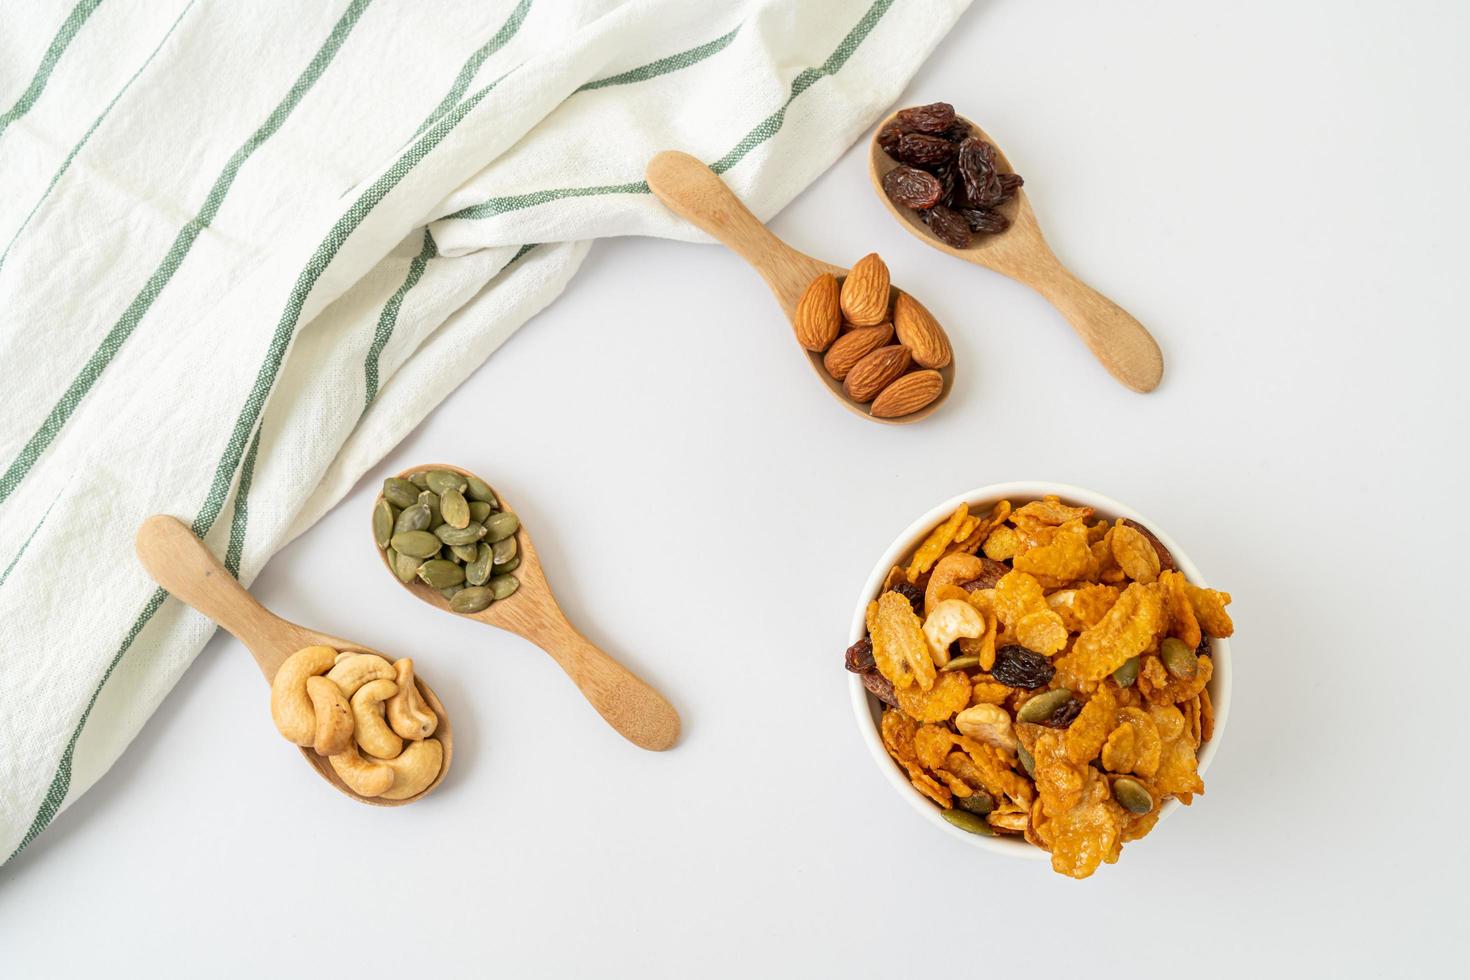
[1120, 342]
[179, 561]
[871, 364]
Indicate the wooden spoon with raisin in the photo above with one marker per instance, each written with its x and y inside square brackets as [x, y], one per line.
[949, 184]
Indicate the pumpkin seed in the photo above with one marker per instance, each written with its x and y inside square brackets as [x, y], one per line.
[504, 550]
[440, 574]
[460, 535]
[452, 591]
[441, 480]
[1041, 707]
[455, 508]
[479, 510]
[416, 544]
[399, 492]
[978, 801]
[501, 526]
[1131, 795]
[503, 585]
[430, 499]
[509, 566]
[479, 490]
[404, 566]
[418, 480]
[1178, 659]
[464, 552]
[472, 599]
[415, 518]
[961, 663]
[1125, 675]
[970, 822]
[383, 517]
[1027, 762]
[477, 572]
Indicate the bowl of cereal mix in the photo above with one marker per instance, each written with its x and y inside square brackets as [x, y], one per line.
[1041, 672]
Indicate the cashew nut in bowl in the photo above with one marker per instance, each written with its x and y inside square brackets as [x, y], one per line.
[355, 671]
[333, 716]
[415, 769]
[291, 708]
[373, 733]
[989, 723]
[365, 777]
[407, 712]
[950, 620]
[951, 570]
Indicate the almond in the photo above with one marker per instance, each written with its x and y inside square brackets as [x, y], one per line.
[853, 346]
[818, 316]
[920, 332]
[907, 395]
[874, 373]
[865, 292]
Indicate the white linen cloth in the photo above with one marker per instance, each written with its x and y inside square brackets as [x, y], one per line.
[246, 247]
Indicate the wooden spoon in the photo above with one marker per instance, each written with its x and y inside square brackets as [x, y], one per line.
[696, 193]
[638, 712]
[1120, 342]
[179, 561]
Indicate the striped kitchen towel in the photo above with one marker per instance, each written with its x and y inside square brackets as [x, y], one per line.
[244, 248]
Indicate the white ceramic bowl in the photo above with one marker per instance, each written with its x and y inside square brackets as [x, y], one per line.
[869, 710]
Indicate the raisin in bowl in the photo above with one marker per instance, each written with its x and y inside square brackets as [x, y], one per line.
[868, 709]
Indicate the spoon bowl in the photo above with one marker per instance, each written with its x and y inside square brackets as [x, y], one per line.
[180, 562]
[638, 712]
[697, 194]
[1115, 338]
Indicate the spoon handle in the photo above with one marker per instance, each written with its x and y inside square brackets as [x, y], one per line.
[179, 561]
[697, 194]
[1120, 342]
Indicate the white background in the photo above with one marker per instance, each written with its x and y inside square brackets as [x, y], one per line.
[1279, 191]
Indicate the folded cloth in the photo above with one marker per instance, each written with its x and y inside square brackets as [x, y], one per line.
[244, 250]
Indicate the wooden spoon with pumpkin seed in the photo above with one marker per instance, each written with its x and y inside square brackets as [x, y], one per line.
[510, 592]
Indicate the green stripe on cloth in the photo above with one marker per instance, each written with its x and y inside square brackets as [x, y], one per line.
[54, 51]
[388, 319]
[115, 338]
[763, 131]
[663, 66]
[236, 548]
[250, 414]
[472, 66]
[66, 164]
[24, 545]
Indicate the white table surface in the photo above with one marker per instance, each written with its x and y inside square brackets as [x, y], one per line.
[1279, 192]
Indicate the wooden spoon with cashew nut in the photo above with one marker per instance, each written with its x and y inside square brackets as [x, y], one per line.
[1120, 342]
[179, 561]
[696, 193]
[638, 712]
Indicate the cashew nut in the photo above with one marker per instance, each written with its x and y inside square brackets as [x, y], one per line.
[951, 570]
[291, 709]
[407, 712]
[989, 723]
[415, 769]
[357, 670]
[373, 733]
[333, 716]
[950, 620]
[365, 777]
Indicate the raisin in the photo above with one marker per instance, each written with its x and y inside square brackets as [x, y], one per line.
[912, 188]
[913, 594]
[1010, 183]
[1015, 666]
[1203, 650]
[1064, 715]
[957, 131]
[860, 656]
[976, 167]
[920, 150]
[880, 687]
[888, 137]
[936, 117]
[947, 180]
[992, 572]
[948, 226]
[984, 221]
